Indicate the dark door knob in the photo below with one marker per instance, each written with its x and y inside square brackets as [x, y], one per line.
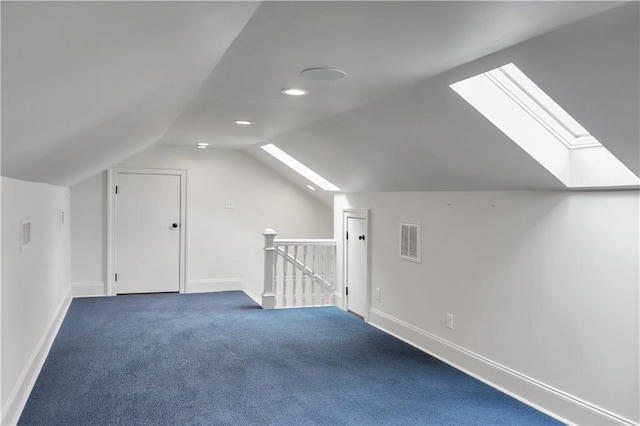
[361, 237]
[175, 225]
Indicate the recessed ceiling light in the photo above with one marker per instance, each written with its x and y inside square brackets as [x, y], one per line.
[323, 73]
[202, 145]
[295, 92]
[311, 187]
[243, 122]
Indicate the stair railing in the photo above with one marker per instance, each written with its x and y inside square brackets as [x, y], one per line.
[298, 273]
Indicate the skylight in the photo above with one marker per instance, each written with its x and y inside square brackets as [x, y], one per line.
[299, 167]
[522, 111]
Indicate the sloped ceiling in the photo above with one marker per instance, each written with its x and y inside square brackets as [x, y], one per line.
[425, 137]
[85, 85]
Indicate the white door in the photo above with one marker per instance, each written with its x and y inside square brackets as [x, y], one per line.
[147, 233]
[356, 266]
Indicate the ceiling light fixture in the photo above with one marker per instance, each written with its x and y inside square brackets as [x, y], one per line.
[202, 145]
[294, 92]
[323, 74]
[313, 188]
[243, 122]
[299, 167]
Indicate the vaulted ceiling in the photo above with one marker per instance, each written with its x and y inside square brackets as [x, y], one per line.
[86, 85]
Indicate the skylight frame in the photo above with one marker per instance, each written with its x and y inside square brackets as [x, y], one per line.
[544, 130]
[526, 94]
[299, 167]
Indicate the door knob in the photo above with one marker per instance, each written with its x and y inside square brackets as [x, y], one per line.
[361, 237]
[175, 225]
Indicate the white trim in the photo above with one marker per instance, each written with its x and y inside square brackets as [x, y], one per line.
[290, 242]
[360, 214]
[214, 285]
[112, 220]
[528, 96]
[339, 299]
[111, 179]
[562, 406]
[88, 289]
[20, 394]
[256, 298]
[221, 284]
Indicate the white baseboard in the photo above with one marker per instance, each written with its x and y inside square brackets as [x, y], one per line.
[221, 284]
[554, 402]
[20, 393]
[214, 285]
[256, 298]
[339, 300]
[88, 289]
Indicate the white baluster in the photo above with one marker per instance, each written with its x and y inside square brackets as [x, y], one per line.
[332, 268]
[285, 268]
[275, 274]
[295, 275]
[268, 294]
[322, 286]
[309, 260]
[313, 280]
[305, 274]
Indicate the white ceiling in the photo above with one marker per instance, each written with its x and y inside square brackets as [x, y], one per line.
[85, 85]
[425, 137]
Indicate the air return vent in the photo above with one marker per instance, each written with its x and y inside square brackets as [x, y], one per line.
[410, 242]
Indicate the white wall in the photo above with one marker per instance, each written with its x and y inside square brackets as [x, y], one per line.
[88, 235]
[542, 283]
[1, 380]
[35, 283]
[223, 245]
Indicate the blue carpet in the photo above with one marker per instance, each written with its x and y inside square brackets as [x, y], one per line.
[217, 358]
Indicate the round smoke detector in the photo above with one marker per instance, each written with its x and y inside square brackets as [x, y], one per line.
[323, 73]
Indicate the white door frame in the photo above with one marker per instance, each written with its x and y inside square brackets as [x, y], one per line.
[359, 214]
[112, 220]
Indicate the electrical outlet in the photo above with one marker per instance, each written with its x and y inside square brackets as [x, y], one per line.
[229, 204]
[378, 293]
[450, 321]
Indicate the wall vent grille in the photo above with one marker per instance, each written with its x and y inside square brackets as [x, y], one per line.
[410, 242]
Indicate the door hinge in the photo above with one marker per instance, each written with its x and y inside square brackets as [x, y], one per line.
[116, 189]
[346, 291]
[116, 277]
[347, 235]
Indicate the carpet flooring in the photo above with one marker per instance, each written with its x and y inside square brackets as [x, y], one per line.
[218, 359]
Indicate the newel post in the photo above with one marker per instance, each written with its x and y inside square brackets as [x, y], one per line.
[268, 296]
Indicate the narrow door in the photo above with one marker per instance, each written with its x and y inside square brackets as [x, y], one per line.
[147, 233]
[356, 266]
